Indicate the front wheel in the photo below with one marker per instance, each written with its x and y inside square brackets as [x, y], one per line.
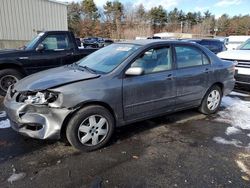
[8, 77]
[212, 100]
[90, 128]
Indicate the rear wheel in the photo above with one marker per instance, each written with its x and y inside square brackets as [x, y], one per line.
[90, 128]
[8, 77]
[212, 100]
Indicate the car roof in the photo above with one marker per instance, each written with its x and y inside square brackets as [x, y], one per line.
[145, 42]
[51, 32]
[199, 40]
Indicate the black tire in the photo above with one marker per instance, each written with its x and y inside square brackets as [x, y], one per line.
[204, 104]
[11, 73]
[72, 130]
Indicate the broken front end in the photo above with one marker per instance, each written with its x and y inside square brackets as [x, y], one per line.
[36, 114]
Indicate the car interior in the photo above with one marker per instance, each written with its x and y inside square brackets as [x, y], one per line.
[188, 57]
[154, 60]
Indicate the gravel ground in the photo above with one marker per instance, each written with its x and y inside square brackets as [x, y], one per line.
[177, 150]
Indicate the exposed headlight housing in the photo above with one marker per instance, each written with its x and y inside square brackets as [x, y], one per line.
[41, 97]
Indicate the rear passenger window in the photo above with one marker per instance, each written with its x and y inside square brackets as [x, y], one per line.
[187, 56]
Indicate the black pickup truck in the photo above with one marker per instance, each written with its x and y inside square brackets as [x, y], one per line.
[47, 50]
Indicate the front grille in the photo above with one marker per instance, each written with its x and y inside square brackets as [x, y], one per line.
[242, 78]
[240, 63]
[243, 64]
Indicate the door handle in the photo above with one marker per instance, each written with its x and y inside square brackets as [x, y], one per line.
[206, 70]
[170, 77]
[69, 54]
[23, 58]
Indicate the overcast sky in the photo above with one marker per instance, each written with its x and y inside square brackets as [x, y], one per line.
[217, 7]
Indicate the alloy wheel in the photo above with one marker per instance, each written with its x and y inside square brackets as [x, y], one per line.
[213, 100]
[93, 130]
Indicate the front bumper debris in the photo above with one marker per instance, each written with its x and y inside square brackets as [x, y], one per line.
[36, 121]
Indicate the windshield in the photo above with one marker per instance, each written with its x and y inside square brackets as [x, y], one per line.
[31, 43]
[245, 45]
[108, 58]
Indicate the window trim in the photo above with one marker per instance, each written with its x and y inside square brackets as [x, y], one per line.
[147, 49]
[190, 46]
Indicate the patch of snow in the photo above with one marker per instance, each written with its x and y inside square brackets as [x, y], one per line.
[16, 177]
[4, 124]
[239, 94]
[233, 142]
[232, 130]
[236, 113]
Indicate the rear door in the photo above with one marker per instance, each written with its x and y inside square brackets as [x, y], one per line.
[192, 75]
[153, 92]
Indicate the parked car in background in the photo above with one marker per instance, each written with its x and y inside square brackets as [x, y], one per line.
[117, 85]
[241, 57]
[96, 42]
[234, 42]
[47, 50]
[222, 39]
[154, 37]
[108, 42]
[93, 42]
[214, 45]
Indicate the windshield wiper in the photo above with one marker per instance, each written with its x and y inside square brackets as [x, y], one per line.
[76, 65]
[89, 69]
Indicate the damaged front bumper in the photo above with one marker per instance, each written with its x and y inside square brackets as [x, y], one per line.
[36, 121]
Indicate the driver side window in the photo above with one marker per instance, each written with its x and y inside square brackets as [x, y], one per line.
[154, 60]
[56, 42]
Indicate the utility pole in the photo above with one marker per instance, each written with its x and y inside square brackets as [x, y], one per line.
[181, 26]
[215, 31]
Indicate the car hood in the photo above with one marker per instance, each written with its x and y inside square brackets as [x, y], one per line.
[12, 53]
[235, 55]
[53, 78]
[6, 51]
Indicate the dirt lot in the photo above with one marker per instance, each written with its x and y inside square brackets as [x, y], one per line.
[185, 149]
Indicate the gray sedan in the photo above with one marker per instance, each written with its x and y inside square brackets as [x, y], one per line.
[117, 85]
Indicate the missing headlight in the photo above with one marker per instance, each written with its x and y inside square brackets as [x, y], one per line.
[44, 97]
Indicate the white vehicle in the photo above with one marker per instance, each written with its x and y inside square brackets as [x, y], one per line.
[241, 57]
[234, 42]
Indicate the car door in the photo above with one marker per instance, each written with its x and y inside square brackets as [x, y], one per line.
[192, 75]
[154, 91]
[57, 52]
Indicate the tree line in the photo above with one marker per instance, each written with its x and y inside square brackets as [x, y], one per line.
[118, 20]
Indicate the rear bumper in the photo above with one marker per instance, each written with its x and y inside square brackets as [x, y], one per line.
[36, 121]
[228, 86]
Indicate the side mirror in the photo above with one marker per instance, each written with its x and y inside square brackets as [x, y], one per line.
[134, 71]
[40, 48]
